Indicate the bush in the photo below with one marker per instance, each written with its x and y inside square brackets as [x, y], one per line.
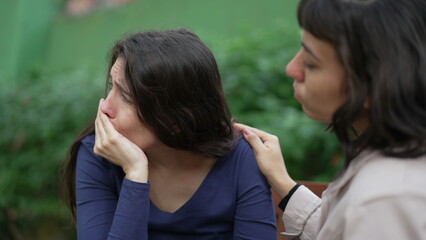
[261, 95]
[41, 117]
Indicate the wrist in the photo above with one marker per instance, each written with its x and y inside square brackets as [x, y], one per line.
[283, 203]
[137, 174]
[283, 186]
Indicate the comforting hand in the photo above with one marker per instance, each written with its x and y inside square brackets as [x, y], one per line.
[269, 158]
[110, 144]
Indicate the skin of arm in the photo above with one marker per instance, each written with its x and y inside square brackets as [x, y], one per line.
[269, 158]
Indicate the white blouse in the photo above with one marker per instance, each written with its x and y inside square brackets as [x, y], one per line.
[377, 197]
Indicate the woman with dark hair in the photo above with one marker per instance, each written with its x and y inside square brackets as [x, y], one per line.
[162, 159]
[362, 69]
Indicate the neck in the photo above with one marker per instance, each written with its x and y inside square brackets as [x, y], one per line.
[169, 158]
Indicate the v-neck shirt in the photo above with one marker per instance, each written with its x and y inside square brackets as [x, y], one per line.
[234, 201]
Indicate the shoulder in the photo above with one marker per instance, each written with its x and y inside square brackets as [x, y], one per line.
[385, 177]
[242, 154]
[242, 162]
[377, 189]
[86, 149]
[241, 148]
[239, 161]
[390, 191]
[86, 155]
[88, 141]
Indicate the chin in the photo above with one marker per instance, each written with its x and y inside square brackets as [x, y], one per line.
[315, 117]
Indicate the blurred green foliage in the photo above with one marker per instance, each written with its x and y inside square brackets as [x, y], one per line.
[39, 120]
[41, 116]
[261, 95]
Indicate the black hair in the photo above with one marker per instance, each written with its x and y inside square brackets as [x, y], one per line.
[176, 90]
[382, 46]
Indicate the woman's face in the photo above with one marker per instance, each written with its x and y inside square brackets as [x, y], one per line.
[122, 113]
[319, 78]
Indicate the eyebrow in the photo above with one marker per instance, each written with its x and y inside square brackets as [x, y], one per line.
[122, 89]
[310, 52]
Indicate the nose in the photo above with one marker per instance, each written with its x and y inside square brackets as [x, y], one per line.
[294, 68]
[107, 107]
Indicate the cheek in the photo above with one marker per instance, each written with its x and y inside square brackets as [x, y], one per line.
[126, 120]
[326, 89]
[124, 124]
[118, 125]
[136, 132]
[339, 93]
[321, 99]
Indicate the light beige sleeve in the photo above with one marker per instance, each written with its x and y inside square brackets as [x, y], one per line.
[301, 215]
[390, 217]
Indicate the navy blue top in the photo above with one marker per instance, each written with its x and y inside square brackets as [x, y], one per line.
[233, 202]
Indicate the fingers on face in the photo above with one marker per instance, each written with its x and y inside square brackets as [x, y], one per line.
[105, 140]
[99, 136]
[100, 130]
[103, 123]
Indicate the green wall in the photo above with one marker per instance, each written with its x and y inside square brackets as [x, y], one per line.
[24, 26]
[84, 41]
[9, 22]
[38, 38]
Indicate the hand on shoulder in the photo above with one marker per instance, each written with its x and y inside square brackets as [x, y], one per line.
[268, 154]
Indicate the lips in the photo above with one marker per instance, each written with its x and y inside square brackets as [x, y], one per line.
[297, 97]
[295, 94]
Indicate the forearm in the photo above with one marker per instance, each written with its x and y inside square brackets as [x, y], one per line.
[132, 213]
[101, 216]
[102, 212]
[137, 172]
[281, 183]
[301, 215]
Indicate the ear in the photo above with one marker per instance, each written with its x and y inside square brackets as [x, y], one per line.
[175, 129]
[367, 103]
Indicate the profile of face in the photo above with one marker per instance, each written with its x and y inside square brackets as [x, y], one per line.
[319, 78]
[121, 112]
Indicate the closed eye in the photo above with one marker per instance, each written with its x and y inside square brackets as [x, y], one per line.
[124, 97]
[308, 65]
[109, 85]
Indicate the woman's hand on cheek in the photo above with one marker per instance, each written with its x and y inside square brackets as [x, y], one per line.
[110, 144]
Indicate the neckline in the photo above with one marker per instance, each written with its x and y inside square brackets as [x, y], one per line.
[206, 180]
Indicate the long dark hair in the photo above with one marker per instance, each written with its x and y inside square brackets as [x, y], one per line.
[382, 46]
[176, 90]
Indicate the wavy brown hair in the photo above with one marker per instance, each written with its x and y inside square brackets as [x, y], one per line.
[382, 46]
[176, 90]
